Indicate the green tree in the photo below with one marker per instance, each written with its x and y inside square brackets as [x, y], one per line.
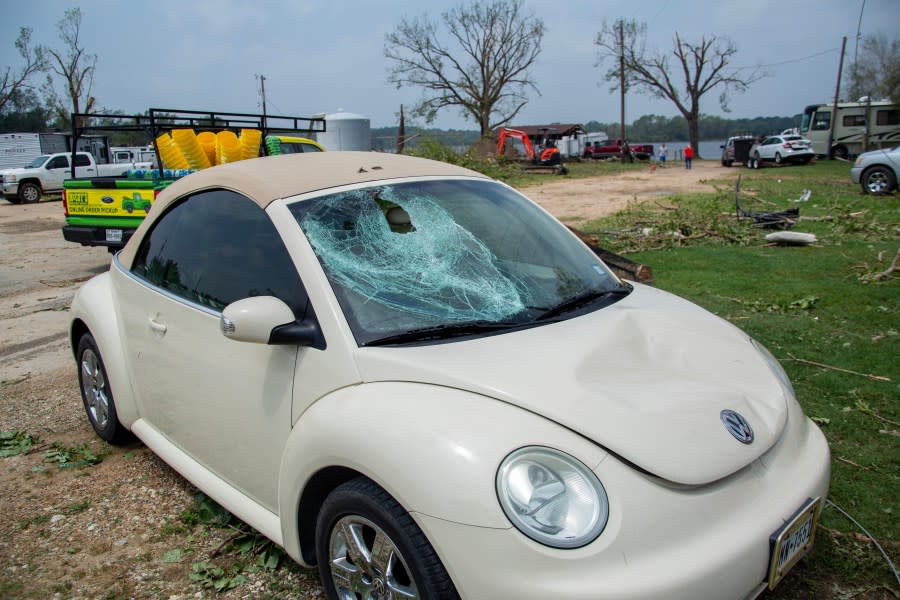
[876, 71]
[14, 84]
[483, 71]
[75, 67]
[684, 77]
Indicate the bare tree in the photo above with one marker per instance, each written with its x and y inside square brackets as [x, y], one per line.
[483, 70]
[14, 83]
[876, 71]
[683, 77]
[74, 66]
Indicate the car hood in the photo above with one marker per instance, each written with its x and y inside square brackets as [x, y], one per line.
[646, 378]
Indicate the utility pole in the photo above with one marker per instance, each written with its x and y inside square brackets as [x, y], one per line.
[837, 95]
[262, 92]
[622, 80]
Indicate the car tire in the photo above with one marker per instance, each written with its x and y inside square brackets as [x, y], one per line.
[360, 513]
[96, 393]
[29, 192]
[878, 180]
[778, 159]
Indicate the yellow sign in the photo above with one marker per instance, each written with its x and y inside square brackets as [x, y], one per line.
[109, 202]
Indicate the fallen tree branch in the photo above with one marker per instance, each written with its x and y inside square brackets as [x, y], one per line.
[893, 268]
[851, 463]
[840, 534]
[839, 369]
[230, 539]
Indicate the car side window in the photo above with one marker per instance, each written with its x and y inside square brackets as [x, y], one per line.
[216, 247]
[81, 160]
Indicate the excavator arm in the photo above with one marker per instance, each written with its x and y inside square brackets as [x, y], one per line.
[506, 133]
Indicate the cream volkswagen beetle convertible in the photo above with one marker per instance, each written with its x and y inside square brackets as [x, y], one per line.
[410, 375]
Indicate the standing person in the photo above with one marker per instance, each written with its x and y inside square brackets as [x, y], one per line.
[662, 155]
[688, 156]
[626, 152]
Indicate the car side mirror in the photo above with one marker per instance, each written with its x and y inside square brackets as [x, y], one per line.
[268, 320]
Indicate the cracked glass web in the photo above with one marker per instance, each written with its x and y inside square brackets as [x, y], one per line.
[431, 266]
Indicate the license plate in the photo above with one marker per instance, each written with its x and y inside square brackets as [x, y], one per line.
[113, 235]
[792, 541]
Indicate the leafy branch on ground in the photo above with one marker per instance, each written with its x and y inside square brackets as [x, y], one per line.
[73, 457]
[15, 442]
[244, 544]
[213, 577]
[682, 222]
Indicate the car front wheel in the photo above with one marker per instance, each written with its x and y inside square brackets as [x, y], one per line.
[878, 180]
[97, 394]
[368, 546]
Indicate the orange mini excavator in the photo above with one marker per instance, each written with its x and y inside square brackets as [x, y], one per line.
[549, 154]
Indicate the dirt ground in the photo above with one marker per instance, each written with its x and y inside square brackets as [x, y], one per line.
[114, 529]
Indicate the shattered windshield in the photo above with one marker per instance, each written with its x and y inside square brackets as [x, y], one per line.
[454, 255]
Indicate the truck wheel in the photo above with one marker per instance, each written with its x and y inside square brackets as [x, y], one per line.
[368, 546]
[29, 192]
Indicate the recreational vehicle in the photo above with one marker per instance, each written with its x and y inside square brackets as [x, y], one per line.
[859, 127]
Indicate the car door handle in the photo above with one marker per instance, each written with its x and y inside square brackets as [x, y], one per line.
[157, 327]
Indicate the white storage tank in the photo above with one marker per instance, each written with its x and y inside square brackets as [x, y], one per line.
[345, 131]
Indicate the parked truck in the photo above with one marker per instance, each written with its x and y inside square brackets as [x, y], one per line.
[46, 174]
[105, 211]
[20, 149]
[615, 148]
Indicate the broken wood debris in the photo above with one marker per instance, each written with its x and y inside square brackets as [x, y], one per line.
[621, 266]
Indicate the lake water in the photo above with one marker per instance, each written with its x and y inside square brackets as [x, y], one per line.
[708, 150]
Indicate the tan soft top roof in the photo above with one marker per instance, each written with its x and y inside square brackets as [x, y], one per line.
[270, 178]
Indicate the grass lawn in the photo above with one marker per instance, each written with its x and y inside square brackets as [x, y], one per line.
[817, 304]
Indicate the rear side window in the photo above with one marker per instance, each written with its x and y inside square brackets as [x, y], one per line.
[217, 247]
[887, 117]
[82, 160]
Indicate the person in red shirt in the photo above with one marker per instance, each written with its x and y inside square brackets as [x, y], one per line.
[688, 156]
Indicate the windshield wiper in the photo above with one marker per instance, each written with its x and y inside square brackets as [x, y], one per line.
[575, 302]
[443, 332]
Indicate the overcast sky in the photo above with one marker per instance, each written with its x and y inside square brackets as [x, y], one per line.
[325, 55]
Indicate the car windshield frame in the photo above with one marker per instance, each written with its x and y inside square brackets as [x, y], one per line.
[427, 260]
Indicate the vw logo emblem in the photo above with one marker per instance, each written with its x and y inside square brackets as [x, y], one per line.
[737, 426]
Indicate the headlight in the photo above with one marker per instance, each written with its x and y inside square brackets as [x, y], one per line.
[551, 497]
[776, 367]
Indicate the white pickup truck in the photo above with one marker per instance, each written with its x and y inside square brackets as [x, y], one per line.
[46, 173]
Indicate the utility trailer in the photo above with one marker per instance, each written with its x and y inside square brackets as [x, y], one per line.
[106, 211]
